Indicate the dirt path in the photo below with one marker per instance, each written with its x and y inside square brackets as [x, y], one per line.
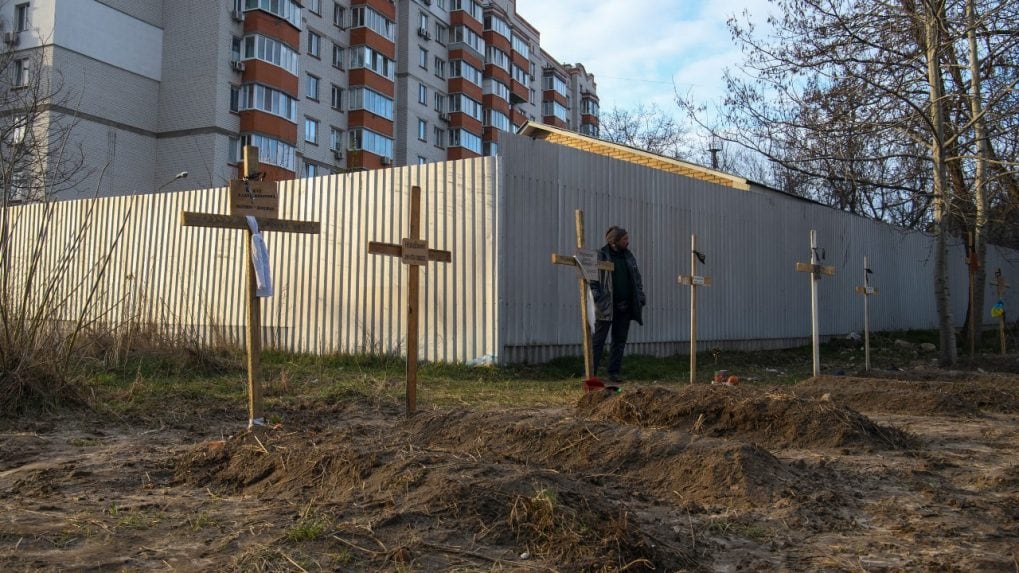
[829, 475]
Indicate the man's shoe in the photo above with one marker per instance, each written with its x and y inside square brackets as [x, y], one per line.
[615, 379]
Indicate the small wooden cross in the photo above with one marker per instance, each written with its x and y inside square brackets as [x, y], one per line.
[816, 270]
[262, 200]
[866, 290]
[587, 263]
[413, 251]
[694, 281]
[1000, 285]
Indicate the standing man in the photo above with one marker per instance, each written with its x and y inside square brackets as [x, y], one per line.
[617, 300]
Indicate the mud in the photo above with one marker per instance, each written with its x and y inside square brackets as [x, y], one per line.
[833, 474]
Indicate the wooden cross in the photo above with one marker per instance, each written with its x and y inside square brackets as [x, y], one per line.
[694, 281]
[587, 263]
[1000, 285]
[816, 270]
[412, 251]
[260, 198]
[866, 290]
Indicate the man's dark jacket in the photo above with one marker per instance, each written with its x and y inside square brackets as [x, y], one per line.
[601, 289]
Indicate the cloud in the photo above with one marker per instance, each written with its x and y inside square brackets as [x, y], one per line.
[641, 51]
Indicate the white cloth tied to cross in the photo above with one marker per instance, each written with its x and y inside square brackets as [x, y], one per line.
[259, 260]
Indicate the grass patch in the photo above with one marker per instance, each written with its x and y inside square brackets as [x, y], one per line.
[147, 386]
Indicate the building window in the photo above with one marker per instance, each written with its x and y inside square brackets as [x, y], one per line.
[440, 68]
[467, 140]
[423, 22]
[521, 46]
[439, 135]
[371, 100]
[491, 148]
[497, 25]
[422, 94]
[422, 130]
[286, 9]
[368, 140]
[311, 130]
[272, 51]
[441, 33]
[423, 57]
[336, 98]
[462, 69]
[367, 17]
[440, 102]
[312, 87]
[365, 57]
[272, 150]
[339, 15]
[235, 98]
[314, 44]
[310, 169]
[442, 4]
[338, 56]
[267, 99]
[22, 73]
[335, 139]
[422, 160]
[21, 17]
[314, 6]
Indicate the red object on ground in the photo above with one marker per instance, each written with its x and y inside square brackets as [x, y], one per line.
[593, 384]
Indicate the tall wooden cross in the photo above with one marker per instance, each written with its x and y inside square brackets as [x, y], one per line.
[413, 251]
[866, 290]
[693, 281]
[816, 270]
[587, 263]
[1000, 285]
[251, 196]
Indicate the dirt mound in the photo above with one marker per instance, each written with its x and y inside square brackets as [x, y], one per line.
[696, 469]
[962, 396]
[405, 486]
[775, 419]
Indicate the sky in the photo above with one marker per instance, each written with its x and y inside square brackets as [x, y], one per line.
[643, 51]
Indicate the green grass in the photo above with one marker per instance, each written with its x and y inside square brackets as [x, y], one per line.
[148, 385]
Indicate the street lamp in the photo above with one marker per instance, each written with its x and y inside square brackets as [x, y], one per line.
[180, 175]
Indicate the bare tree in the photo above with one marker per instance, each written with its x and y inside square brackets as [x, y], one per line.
[867, 106]
[645, 127]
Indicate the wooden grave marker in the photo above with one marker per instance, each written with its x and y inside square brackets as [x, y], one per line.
[261, 200]
[866, 290]
[587, 264]
[694, 281]
[1000, 285]
[816, 270]
[413, 251]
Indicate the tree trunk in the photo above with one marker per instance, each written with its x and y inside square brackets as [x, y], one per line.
[980, 172]
[933, 22]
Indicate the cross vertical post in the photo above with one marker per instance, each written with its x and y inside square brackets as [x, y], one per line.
[251, 197]
[694, 281]
[414, 252]
[1000, 285]
[254, 330]
[866, 290]
[816, 270]
[586, 261]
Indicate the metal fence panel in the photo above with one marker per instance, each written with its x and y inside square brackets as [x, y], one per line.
[752, 240]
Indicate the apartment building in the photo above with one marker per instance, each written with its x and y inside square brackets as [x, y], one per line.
[158, 87]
